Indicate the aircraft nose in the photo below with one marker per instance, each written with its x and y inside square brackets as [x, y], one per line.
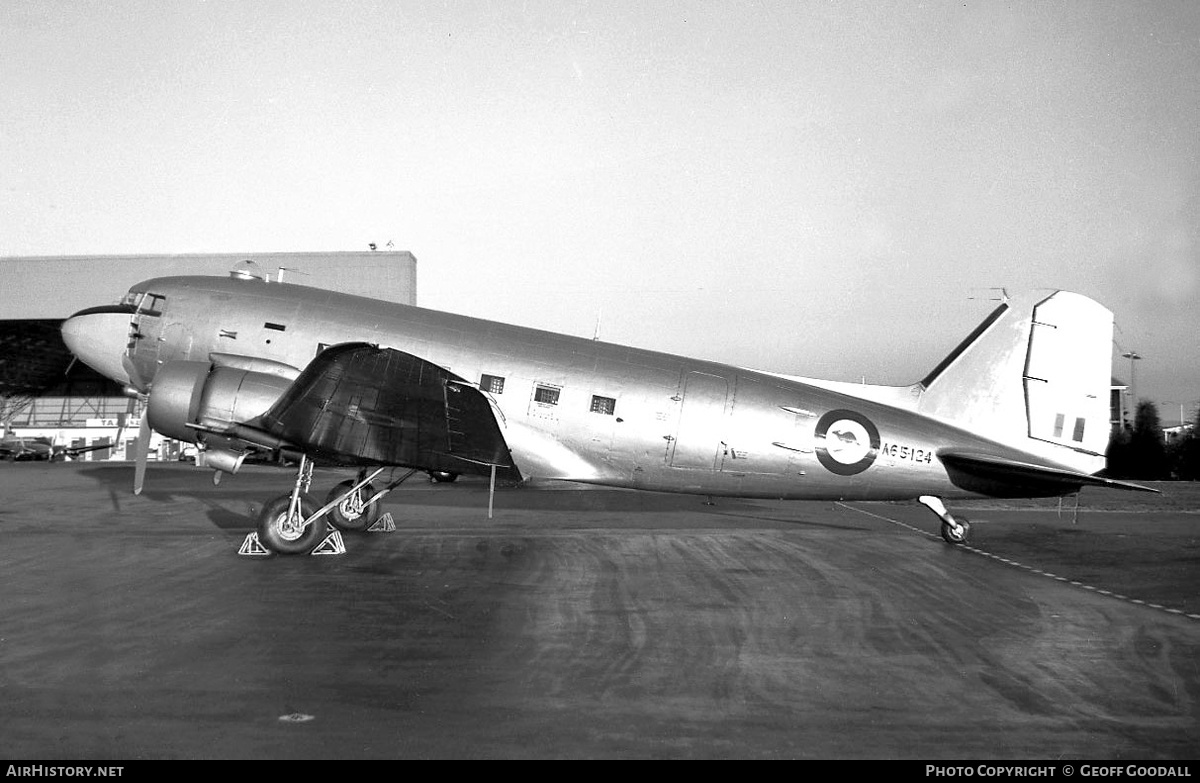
[99, 336]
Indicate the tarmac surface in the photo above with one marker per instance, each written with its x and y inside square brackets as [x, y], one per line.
[588, 624]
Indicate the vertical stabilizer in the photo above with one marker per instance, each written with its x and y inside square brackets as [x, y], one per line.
[1036, 375]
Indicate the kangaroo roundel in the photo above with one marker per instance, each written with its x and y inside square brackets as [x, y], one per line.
[847, 442]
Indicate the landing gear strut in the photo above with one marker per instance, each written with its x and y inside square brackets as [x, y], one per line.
[290, 525]
[352, 511]
[954, 530]
[284, 525]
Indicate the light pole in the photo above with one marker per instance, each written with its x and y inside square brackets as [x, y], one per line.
[1132, 356]
[1182, 420]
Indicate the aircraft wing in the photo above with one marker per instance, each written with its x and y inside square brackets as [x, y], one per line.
[358, 404]
[977, 471]
[23, 450]
[75, 451]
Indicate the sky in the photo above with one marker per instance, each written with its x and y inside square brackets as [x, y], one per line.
[832, 189]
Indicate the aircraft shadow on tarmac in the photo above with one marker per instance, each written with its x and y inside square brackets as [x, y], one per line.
[234, 503]
[186, 486]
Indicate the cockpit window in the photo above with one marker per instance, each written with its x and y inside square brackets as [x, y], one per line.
[146, 303]
[151, 304]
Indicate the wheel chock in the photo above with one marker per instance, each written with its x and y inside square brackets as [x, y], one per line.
[385, 524]
[252, 547]
[332, 544]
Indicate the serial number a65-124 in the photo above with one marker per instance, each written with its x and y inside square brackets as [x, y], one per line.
[905, 453]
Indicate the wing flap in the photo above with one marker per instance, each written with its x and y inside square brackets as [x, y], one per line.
[977, 471]
[358, 404]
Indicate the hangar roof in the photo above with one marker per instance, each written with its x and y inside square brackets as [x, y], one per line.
[43, 287]
[40, 291]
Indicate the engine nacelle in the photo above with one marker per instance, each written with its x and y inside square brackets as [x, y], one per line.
[210, 396]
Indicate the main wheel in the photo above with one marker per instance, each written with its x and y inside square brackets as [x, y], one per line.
[959, 535]
[442, 476]
[288, 536]
[350, 513]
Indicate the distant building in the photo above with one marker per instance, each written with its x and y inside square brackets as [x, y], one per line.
[44, 393]
[1119, 414]
[54, 287]
[1172, 434]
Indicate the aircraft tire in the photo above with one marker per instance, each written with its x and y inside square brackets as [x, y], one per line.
[344, 516]
[949, 534]
[273, 534]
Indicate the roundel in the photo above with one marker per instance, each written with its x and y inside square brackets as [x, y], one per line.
[846, 442]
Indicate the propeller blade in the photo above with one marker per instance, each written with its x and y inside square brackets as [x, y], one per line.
[143, 454]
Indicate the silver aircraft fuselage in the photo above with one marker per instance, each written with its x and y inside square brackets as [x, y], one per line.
[569, 408]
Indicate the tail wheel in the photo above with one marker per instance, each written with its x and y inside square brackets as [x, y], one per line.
[287, 534]
[956, 534]
[349, 513]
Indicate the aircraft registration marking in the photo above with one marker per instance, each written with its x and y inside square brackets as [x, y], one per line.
[905, 452]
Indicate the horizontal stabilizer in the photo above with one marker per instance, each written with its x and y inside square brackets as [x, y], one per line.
[975, 471]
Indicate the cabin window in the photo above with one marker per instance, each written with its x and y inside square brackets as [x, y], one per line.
[1077, 436]
[605, 405]
[546, 395]
[1059, 420]
[492, 384]
[274, 327]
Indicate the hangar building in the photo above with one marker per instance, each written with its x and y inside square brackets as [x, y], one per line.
[43, 394]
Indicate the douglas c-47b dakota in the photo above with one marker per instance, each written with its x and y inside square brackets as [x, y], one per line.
[240, 364]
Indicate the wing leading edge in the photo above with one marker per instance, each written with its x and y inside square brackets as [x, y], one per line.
[358, 404]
